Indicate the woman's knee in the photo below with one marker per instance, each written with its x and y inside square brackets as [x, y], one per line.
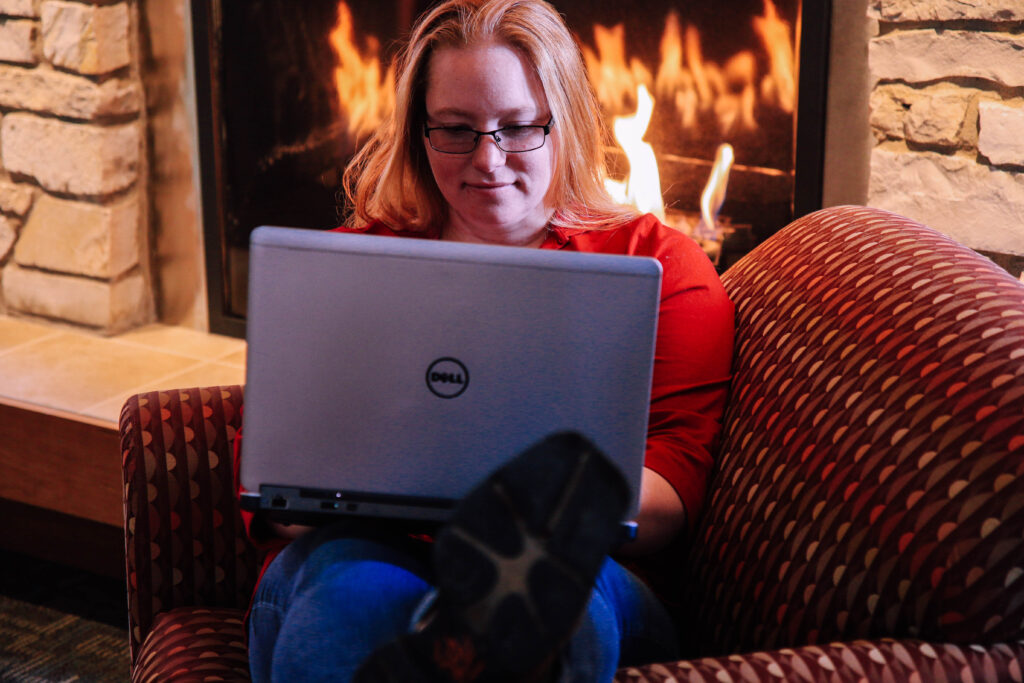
[348, 597]
[344, 615]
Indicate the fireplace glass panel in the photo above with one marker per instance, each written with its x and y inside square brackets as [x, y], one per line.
[288, 90]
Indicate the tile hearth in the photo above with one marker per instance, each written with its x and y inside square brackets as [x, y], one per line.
[59, 369]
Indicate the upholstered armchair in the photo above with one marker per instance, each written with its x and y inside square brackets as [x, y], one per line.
[865, 522]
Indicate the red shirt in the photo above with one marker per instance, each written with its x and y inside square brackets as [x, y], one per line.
[693, 351]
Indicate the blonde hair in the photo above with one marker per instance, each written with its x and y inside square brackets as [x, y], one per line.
[390, 179]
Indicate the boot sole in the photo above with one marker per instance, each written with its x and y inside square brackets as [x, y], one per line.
[517, 561]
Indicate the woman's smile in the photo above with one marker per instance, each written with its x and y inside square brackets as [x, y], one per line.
[488, 186]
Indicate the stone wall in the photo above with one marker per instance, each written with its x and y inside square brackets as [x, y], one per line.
[947, 113]
[73, 208]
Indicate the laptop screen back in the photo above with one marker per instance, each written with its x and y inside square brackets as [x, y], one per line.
[387, 376]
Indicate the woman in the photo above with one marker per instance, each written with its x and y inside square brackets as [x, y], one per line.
[497, 138]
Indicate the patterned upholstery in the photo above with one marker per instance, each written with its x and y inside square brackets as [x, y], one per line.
[184, 542]
[865, 522]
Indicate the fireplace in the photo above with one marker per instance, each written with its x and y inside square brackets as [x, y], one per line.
[275, 133]
[109, 142]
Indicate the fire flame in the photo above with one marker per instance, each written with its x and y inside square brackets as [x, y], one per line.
[684, 80]
[643, 188]
[693, 84]
[713, 196]
[614, 80]
[779, 85]
[365, 96]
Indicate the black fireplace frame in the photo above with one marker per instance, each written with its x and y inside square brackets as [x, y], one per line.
[813, 38]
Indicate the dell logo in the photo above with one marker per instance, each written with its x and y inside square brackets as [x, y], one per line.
[447, 377]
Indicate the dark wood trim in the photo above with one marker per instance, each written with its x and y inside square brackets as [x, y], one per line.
[62, 539]
[206, 38]
[809, 154]
[60, 462]
[60, 488]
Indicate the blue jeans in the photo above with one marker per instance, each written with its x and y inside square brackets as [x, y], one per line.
[333, 596]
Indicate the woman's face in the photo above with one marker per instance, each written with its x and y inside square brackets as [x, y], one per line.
[493, 196]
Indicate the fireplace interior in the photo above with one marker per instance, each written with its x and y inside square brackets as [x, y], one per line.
[286, 92]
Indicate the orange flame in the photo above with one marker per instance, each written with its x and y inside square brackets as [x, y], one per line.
[365, 96]
[614, 80]
[684, 79]
[780, 84]
[692, 84]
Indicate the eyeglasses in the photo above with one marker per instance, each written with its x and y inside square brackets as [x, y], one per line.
[462, 139]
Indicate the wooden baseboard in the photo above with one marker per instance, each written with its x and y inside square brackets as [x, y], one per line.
[62, 539]
[60, 488]
[60, 462]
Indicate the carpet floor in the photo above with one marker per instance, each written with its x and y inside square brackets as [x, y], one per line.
[59, 624]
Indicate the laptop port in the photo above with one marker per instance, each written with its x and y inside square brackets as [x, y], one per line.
[329, 505]
[279, 502]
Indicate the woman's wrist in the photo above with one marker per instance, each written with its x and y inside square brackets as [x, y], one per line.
[662, 515]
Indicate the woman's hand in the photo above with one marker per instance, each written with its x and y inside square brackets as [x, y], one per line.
[661, 516]
[291, 531]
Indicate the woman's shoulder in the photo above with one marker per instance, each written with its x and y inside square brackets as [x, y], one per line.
[646, 235]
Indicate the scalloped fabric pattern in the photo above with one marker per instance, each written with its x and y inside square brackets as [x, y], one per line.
[194, 644]
[870, 480]
[184, 539]
[881, 660]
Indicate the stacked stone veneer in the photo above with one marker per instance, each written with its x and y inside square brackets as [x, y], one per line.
[72, 191]
[947, 113]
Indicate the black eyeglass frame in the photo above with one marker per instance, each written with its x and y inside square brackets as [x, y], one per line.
[546, 127]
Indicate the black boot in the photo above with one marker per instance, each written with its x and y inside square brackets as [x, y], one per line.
[515, 566]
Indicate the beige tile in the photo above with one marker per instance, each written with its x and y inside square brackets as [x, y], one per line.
[198, 375]
[184, 341]
[202, 375]
[237, 358]
[72, 371]
[14, 332]
[109, 410]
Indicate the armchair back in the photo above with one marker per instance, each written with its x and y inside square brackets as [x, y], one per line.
[870, 480]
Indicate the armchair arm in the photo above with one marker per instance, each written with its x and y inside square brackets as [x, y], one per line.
[184, 540]
[194, 643]
[884, 659]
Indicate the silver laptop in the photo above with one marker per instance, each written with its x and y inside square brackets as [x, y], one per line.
[387, 376]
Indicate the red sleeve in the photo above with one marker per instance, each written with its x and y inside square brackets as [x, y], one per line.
[693, 358]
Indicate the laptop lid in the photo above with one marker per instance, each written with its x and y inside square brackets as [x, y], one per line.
[387, 376]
